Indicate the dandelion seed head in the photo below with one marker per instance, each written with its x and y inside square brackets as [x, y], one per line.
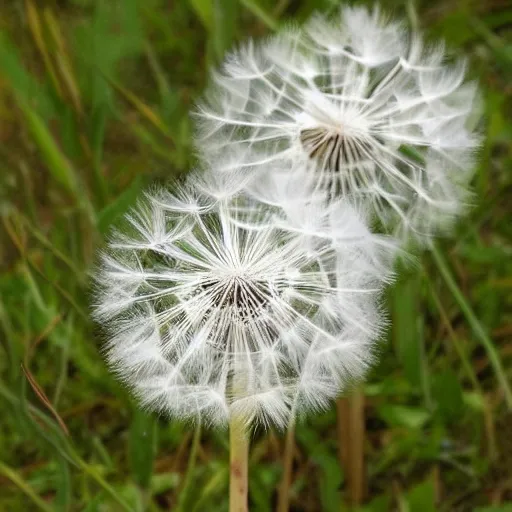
[212, 307]
[377, 115]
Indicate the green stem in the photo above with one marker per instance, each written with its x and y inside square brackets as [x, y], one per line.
[238, 466]
[89, 470]
[260, 13]
[475, 325]
[187, 482]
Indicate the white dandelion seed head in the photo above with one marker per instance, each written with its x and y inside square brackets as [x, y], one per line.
[212, 308]
[376, 114]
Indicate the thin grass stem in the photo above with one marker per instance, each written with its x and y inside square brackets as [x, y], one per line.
[15, 478]
[187, 481]
[475, 325]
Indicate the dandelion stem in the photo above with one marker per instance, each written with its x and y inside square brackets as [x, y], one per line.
[238, 466]
[351, 433]
[283, 503]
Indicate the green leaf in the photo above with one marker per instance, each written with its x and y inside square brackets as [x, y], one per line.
[404, 416]
[475, 401]
[225, 19]
[114, 34]
[17, 479]
[164, 482]
[204, 10]
[505, 507]
[262, 486]
[407, 334]
[478, 330]
[422, 497]
[447, 393]
[94, 505]
[188, 490]
[120, 205]
[330, 475]
[142, 446]
[218, 483]
[329, 481]
[98, 126]
[379, 504]
[56, 162]
[63, 498]
[261, 13]
[21, 82]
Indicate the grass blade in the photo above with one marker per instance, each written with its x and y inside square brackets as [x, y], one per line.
[261, 14]
[187, 489]
[14, 477]
[56, 162]
[34, 23]
[475, 324]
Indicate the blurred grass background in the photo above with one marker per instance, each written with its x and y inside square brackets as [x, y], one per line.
[94, 100]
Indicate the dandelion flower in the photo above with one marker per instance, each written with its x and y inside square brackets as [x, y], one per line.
[376, 114]
[213, 309]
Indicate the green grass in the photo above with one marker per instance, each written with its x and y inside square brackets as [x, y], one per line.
[94, 101]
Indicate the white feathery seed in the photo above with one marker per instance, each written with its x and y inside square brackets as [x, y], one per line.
[375, 114]
[212, 306]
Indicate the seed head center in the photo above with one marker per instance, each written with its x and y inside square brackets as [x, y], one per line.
[334, 148]
[243, 296]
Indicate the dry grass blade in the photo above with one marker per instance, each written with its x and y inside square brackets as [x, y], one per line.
[34, 23]
[141, 107]
[63, 60]
[44, 399]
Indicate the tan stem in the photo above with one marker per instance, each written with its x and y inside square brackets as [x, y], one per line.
[238, 466]
[351, 434]
[283, 499]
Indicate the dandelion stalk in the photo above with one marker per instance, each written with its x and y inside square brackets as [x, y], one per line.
[238, 466]
[283, 502]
